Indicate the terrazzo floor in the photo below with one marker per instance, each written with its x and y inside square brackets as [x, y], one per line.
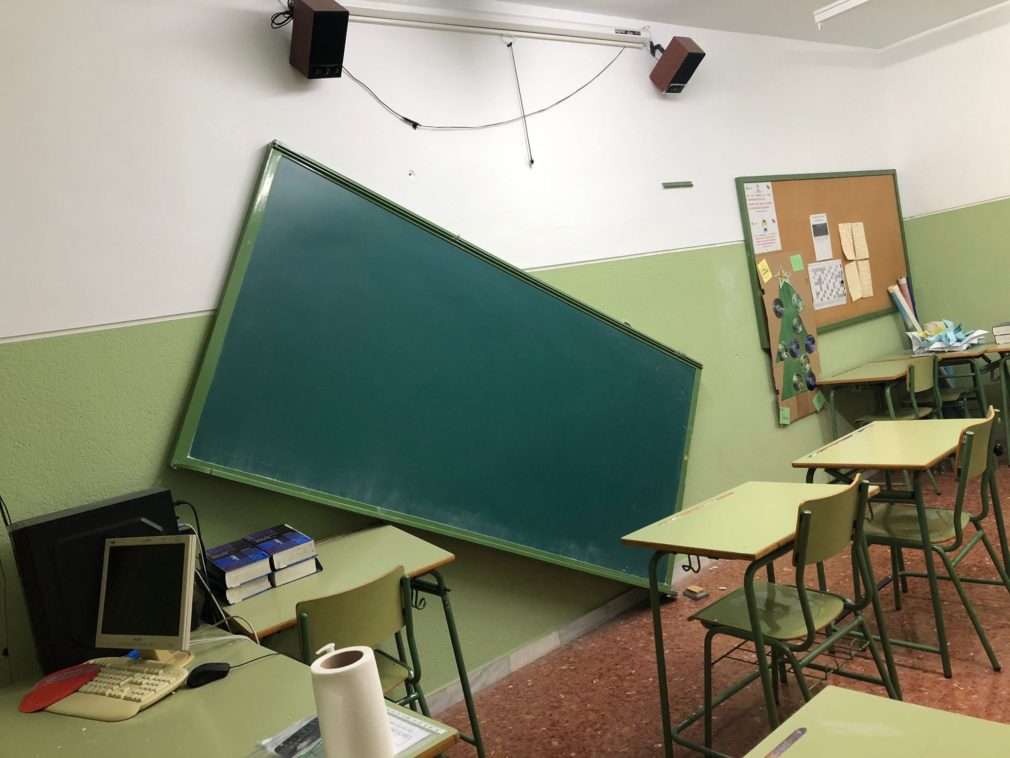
[598, 695]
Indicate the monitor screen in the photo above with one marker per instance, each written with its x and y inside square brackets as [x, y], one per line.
[146, 598]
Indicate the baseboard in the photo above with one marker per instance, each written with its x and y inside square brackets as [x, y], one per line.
[498, 669]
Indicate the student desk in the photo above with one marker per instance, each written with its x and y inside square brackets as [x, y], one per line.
[884, 372]
[226, 718]
[914, 446]
[839, 723]
[978, 358]
[351, 560]
[745, 523]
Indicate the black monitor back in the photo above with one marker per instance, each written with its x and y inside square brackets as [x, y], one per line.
[59, 560]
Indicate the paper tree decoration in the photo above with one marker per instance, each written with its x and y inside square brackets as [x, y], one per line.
[795, 344]
[795, 359]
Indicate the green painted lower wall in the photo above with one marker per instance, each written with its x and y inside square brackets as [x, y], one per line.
[92, 415]
[961, 264]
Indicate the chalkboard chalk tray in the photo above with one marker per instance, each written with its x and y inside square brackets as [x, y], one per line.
[365, 358]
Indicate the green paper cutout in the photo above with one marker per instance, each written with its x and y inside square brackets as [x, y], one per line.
[818, 400]
[797, 261]
[784, 415]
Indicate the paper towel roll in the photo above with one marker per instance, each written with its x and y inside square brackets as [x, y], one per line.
[351, 708]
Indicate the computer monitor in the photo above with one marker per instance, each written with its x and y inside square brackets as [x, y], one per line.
[59, 560]
[146, 599]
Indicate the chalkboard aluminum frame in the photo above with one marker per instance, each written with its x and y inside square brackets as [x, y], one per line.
[181, 457]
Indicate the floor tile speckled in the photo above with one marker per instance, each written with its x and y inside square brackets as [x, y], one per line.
[598, 696]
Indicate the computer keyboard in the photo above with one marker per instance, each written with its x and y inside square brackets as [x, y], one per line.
[121, 689]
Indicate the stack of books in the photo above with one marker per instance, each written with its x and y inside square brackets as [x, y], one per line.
[238, 570]
[1001, 333]
[292, 554]
[259, 561]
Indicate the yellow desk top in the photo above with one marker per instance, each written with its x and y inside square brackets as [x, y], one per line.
[891, 445]
[746, 522]
[225, 718]
[348, 561]
[874, 372]
[840, 723]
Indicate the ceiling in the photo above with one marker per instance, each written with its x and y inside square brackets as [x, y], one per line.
[876, 24]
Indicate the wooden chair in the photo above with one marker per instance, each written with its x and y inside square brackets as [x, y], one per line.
[896, 525]
[790, 617]
[369, 614]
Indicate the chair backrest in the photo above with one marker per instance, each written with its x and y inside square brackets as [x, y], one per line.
[921, 374]
[972, 456]
[825, 526]
[363, 615]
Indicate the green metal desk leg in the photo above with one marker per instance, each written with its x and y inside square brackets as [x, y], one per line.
[878, 613]
[661, 655]
[759, 647]
[976, 372]
[934, 587]
[834, 414]
[439, 588]
[1005, 398]
[997, 512]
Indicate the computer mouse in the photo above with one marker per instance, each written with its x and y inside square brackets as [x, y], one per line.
[206, 673]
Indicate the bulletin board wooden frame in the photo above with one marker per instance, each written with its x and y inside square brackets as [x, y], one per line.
[867, 196]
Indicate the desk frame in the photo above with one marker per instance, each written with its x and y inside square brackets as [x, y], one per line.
[273, 610]
[846, 462]
[775, 547]
[977, 356]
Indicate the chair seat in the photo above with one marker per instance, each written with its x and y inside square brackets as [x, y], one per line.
[391, 673]
[898, 522]
[900, 414]
[779, 611]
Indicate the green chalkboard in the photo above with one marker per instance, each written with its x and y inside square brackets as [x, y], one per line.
[365, 358]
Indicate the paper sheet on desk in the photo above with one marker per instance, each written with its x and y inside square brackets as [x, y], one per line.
[407, 732]
[951, 339]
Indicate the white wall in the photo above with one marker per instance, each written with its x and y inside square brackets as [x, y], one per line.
[947, 107]
[134, 132]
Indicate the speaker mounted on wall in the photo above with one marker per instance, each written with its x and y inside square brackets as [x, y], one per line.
[318, 38]
[677, 64]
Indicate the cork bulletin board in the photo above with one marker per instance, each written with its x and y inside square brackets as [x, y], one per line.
[808, 215]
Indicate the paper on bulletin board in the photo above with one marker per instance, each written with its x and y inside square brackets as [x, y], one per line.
[827, 284]
[821, 233]
[852, 279]
[859, 241]
[865, 278]
[794, 356]
[845, 235]
[764, 221]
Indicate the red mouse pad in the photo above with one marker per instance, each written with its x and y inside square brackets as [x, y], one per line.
[57, 686]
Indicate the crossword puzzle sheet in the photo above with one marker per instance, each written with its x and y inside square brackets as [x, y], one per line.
[827, 283]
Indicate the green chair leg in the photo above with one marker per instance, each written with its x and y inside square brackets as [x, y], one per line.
[882, 669]
[708, 687]
[969, 608]
[896, 577]
[801, 680]
[1004, 577]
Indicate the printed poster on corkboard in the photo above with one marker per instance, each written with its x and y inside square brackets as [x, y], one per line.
[795, 359]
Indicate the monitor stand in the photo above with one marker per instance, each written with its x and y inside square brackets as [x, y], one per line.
[180, 658]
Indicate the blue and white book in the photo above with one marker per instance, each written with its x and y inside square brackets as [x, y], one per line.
[236, 563]
[284, 544]
[294, 571]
